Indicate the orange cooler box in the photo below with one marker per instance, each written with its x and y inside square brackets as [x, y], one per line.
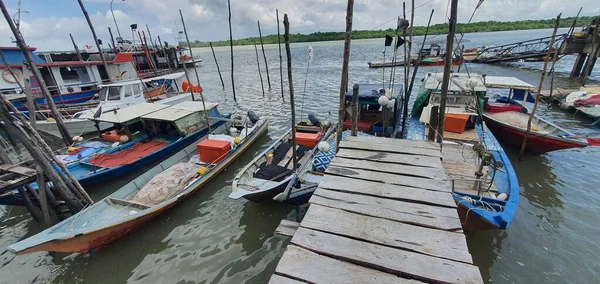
[456, 122]
[307, 139]
[213, 151]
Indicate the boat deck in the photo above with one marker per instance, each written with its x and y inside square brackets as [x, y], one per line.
[383, 213]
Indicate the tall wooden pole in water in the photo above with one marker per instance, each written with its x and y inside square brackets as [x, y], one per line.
[280, 57]
[195, 71]
[87, 17]
[36, 72]
[344, 81]
[447, 68]
[231, 50]
[262, 85]
[286, 37]
[264, 56]
[217, 63]
[535, 104]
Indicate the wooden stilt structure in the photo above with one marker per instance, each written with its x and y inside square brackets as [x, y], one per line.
[264, 56]
[344, 81]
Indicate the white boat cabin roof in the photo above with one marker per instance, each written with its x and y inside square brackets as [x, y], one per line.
[458, 82]
[130, 113]
[171, 76]
[178, 111]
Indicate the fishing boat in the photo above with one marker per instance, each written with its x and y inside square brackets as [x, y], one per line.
[149, 195]
[585, 100]
[188, 61]
[484, 183]
[435, 61]
[161, 89]
[272, 171]
[385, 64]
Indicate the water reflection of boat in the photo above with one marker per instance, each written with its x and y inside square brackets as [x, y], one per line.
[147, 196]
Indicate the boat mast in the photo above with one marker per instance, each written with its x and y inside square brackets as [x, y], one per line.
[447, 68]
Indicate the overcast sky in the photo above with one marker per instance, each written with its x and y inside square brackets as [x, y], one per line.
[46, 24]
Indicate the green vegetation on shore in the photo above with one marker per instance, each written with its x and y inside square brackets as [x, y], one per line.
[488, 26]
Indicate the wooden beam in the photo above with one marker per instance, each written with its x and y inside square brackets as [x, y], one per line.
[412, 160]
[395, 149]
[400, 169]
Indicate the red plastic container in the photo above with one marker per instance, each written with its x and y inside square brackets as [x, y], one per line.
[363, 125]
[213, 151]
[501, 107]
[307, 139]
[456, 122]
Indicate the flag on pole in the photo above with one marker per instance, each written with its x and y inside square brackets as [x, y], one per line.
[400, 42]
[310, 53]
[388, 40]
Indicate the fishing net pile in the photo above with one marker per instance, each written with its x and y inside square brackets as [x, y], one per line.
[166, 184]
[517, 119]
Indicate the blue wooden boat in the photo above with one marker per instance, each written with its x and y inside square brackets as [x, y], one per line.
[146, 197]
[488, 201]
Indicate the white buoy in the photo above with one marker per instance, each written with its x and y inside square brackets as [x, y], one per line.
[75, 138]
[502, 196]
[327, 123]
[124, 138]
[323, 146]
[79, 139]
[391, 104]
[471, 83]
[233, 131]
[439, 77]
[383, 101]
[388, 93]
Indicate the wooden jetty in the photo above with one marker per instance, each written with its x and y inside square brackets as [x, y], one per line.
[383, 213]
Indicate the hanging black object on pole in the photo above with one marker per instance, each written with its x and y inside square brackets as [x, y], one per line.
[388, 40]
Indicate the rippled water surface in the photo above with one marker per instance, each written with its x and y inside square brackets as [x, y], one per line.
[209, 238]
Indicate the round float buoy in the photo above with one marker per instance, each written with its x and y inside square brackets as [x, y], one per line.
[391, 104]
[124, 139]
[50, 119]
[237, 140]
[201, 171]
[75, 138]
[383, 100]
[439, 77]
[185, 86]
[323, 146]
[7, 77]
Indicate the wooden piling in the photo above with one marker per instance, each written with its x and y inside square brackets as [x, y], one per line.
[535, 104]
[447, 68]
[231, 49]
[280, 57]
[264, 56]
[42, 193]
[354, 128]
[36, 72]
[262, 85]
[344, 81]
[591, 61]
[87, 17]
[433, 123]
[288, 52]
[217, 63]
[150, 36]
[76, 48]
[30, 104]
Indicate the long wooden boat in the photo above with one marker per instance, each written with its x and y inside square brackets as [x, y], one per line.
[385, 64]
[270, 173]
[141, 200]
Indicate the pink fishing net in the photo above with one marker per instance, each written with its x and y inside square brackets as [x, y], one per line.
[166, 184]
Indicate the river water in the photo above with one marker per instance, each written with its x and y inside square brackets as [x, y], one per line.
[212, 239]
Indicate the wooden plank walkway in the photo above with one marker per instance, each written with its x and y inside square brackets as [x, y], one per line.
[383, 213]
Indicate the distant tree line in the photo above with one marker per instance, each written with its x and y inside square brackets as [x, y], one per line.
[488, 26]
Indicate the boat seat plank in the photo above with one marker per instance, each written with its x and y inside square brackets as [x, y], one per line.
[397, 149]
[395, 142]
[287, 228]
[388, 191]
[410, 213]
[431, 173]
[414, 160]
[433, 242]
[127, 203]
[396, 261]
[300, 263]
[429, 184]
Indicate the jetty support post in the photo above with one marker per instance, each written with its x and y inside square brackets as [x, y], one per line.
[344, 81]
[354, 128]
[286, 36]
[262, 85]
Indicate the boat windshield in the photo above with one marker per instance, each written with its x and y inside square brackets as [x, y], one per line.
[111, 93]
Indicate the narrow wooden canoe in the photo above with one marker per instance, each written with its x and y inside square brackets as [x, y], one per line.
[117, 215]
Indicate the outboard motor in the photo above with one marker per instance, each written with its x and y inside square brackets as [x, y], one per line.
[252, 116]
[313, 119]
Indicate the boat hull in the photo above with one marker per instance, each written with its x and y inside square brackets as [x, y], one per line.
[67, 99]
[472, 222]
[536, 143]
[74, 126]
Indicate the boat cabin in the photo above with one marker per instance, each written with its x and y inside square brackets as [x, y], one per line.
[373, 118]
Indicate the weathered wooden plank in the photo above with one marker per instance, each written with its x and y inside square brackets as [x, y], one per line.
[396, 261]
[414, 160]
[311, 267]
[432, 173]
[428, 241]
[278, 279]
[430, 184]
[396, 192]
[287, 228]
[411, 213]
[394, 142]
[397, 149]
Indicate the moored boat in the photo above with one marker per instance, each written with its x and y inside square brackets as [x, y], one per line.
[146, 197]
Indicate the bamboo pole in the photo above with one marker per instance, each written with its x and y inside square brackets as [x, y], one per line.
[42, 192]
[150, 36]
[231, 49]
[286, 37]
[259, 73]
[87, 17]
[264, 56]
[535, 104]
[112, 40]
[76, 48]
[344, 81]
[217, 63]
[447, 68]
[412, 79]
[36, 72]
[30, 104]
[406, 60]
[280, 57]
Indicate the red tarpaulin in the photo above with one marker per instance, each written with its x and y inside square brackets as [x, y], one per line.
[591, 101]
[137, 151]
[594, 141]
